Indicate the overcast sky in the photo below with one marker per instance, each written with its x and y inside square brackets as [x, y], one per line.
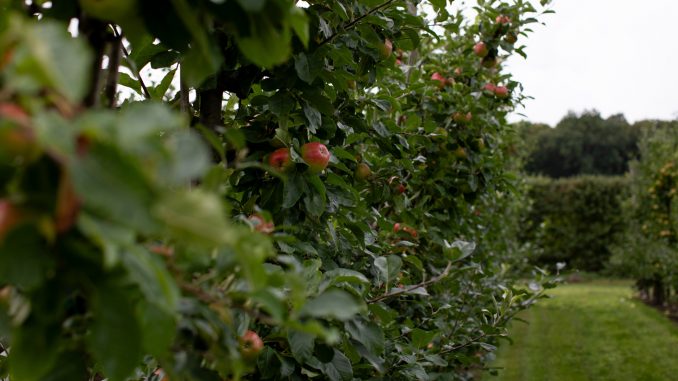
[616, 56]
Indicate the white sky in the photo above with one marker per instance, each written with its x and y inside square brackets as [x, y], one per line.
[616, 56]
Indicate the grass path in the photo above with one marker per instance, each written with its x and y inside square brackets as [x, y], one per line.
[590, 332]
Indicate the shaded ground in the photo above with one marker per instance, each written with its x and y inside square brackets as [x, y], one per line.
[590, 331]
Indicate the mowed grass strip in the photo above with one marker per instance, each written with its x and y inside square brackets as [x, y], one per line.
[590, 332]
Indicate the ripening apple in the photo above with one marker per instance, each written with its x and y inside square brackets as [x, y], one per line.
[511, 38]
[386, 49]
[10, 217]
[502, 19]
[489, 87]
[280, 159]
[316, 155]
[460, 117]
[501, 92]
[480, 49]
[250, 345]
[363, 171]
[442, 81]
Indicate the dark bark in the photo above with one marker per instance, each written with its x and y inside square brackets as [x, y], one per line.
[113, 72]
[658, 292]
[95, 33]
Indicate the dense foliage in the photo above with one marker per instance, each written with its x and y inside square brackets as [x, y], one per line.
[648, 252]
[575, 221]
[297, 195]
[585, 144]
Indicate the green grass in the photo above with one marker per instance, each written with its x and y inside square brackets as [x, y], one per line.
[590, 331]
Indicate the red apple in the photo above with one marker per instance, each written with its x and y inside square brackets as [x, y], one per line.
[396, 227]
[316, 155]
[503, 19]
[501, 92]
[280, 159]
[442, 81]
[260, 224]
[490, 87]
[398, 62]
[250, 345]
[401, 188]
[480, 49]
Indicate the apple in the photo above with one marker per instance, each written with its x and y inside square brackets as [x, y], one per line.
[386, 49]
[501, 92]
[250, 345]
[401, 188]
[458, 71]
[398, 62]
[502, 19]
[511, 38]
[480, 49]
[363, 171]
[410, 231]
[10, 217]
[260, 224]
[14, 113]
[316, 155]
[351, 84]
[442, 81]
[460, 117]
[460, 153]
[489, 62]
[396, 227]
[280, 159]
[489, 87]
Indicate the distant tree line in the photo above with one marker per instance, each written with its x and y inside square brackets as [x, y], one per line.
[584, 144]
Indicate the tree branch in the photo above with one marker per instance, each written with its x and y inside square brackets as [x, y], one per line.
[113, 72]
[435, 279]
[356, 21]
[136, 71]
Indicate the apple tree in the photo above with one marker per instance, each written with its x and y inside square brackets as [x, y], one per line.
[257, 189]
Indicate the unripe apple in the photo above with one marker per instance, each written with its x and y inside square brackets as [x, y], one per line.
[511, 38]
[501, 92]
[363, 171]
[460, 153]
[386, 49]
[480, 49]
[489, 62]
[316, 155]
[280, 159]
[442, 81]
[351, 84]
[503, 19]
[250, 345]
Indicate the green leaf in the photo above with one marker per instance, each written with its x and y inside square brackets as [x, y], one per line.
[313, 116]
[301, 344]
[332, 304]
[115, 335]
[299, 22]
[339, 369]
[24, 258]
[149, 273]
[266, 45]
[111, 185]
[158, 327]
[194, 216]
[57, 60]
[388, 267]
[33, 340]
[159, 91]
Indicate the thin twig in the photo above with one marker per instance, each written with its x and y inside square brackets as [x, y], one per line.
[113, 72]
[136, 70]
[466, 344]
[356, 21]
[435, 279]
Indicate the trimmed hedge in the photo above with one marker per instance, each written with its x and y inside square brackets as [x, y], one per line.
[574, 220]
